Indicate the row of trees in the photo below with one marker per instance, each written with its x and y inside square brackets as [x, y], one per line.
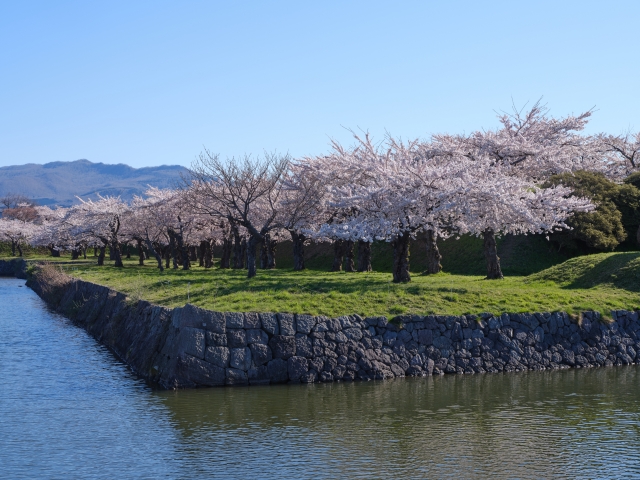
[487, 183]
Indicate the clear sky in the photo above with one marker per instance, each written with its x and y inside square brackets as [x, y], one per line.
[150, 83]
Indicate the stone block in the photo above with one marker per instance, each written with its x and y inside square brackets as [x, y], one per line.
[329, 364]
[218, 356]
[216, 322]
[236, 338]
[234, 319]
[191, 341]
[192, 316]
[456, 332]
[326, 377]
[309, 377]
[404, 335]
[252, 320]
[283, 346]
[258, 376]
[321, 327]
[261, 354]
[256, 335]
[216, 339]
[333, 325]
[442, 342]
[297, 366]
[428, 366]
[240, 358]
[304, 348]
[235, 376]
[316, 363]
[200, 372]
[270, 323]
[305, 323]
[287, 323]
[278, 371]
[341, 337]
[477, 333]
[371, 321]
[425, 337]
[538, 335]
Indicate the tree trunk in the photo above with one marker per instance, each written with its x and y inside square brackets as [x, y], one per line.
[55, 252]
[173, 249]
[338, 254]
[19, 249]
[95, 251]
[250, 249]
[207, 254]
[166, 253]
[201, 250]
[183, 249]
[103, 249]
[491, 254]
[115, 249]
[264, 257]
[154, 253]
[349, 255]
[128, 247]
[13, 248]
[401, 258]
[270, 249]
[243, 253]
[238, 254]
[193, 253]
[140, 252]
[433, 254]
[75, 253]
[225, 257]
[84, 252]
[298, 250]
[364, 256]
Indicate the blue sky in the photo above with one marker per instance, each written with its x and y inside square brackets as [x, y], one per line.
[150, 83]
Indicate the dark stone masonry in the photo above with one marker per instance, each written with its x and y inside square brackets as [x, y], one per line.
[13, 268]
[190, 347]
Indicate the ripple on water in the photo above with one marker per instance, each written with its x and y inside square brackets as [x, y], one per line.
[69, 409]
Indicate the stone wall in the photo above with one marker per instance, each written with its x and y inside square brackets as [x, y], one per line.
[16, 267]
[190, 347]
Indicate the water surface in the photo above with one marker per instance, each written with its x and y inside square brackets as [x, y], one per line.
[69, 409]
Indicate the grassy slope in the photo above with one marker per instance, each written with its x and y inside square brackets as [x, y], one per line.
[600, 282]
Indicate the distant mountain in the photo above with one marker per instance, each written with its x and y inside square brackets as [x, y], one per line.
[57, 183]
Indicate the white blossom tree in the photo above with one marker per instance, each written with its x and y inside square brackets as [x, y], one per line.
[245, 192]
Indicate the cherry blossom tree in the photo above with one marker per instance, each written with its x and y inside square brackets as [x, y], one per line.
[102, 221]
[302, 205]
[518, 157]
[388, 192]
[621, 151]
[17, 232]
[245, 192]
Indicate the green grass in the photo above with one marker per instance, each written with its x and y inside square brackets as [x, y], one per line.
[601, 282]
[537, 279]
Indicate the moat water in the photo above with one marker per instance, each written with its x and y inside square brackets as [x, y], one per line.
[70, 409]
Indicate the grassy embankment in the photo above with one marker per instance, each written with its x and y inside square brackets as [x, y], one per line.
[537, 279]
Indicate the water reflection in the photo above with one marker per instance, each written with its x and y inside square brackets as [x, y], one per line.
[514, 425]
[69, 409]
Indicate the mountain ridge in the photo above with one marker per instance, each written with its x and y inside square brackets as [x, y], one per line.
[58, 183]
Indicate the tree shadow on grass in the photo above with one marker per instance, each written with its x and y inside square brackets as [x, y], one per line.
[230, 282]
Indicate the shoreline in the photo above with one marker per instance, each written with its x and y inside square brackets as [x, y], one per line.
[187, 347]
